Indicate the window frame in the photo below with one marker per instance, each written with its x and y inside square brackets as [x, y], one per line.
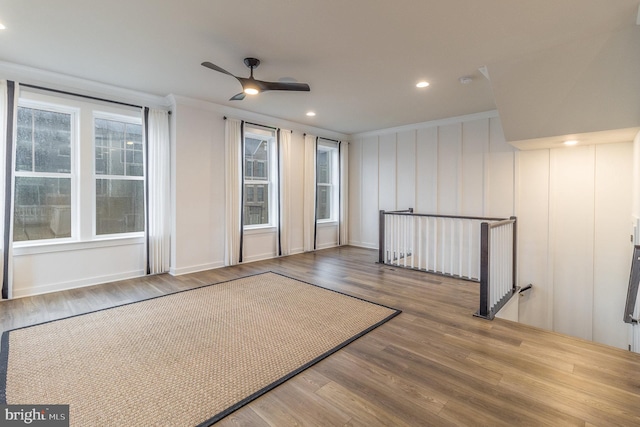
[271, 179]
[72, 175]
[99, 114]
[333, 185]
[82, 154]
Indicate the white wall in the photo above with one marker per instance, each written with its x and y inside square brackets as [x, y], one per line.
[75, 265]
[59, 264]
[199, 193]
[458, 166]
[573, 206]
[198, 222]
[574, 223]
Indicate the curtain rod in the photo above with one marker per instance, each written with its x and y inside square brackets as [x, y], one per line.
[327, 139]
[95, 98]
[257, 124]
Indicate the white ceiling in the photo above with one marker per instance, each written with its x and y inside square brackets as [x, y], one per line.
[361, 58]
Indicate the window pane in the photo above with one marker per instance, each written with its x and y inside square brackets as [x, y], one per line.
[43, 141]
[323, 210]
[118, 148]
[256, 204]
[42, 208]
[119, 206]
[324, 167]
[256, 158]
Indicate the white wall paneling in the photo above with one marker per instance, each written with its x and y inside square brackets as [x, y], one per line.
[475, 145]
[500, 186]
[449, 168]
[427, 170]
[612, 245]
[387, 172]
[296, 187]
[355, 187]
[572, 203]
[406, 167]
[369, 192]
[533, 238]
[572, 221]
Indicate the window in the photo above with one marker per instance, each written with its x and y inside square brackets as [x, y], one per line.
[119, 166]
[327, 182]
[259, 177]
[43, 175]
[79, 171]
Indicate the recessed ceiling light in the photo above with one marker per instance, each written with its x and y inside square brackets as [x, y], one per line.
[2, 27]
[422, 84]
[311, 114]
[571, 142]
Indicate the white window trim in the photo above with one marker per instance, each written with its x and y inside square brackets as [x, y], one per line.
[80, 238]
[333, 148]
[74, 112]
[272, 182]
[97, 114]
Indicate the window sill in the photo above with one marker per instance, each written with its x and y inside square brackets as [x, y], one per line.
[43, 247]
[268, 229]
[327, 223]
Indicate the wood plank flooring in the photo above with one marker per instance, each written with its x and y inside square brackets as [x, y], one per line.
[433, 365]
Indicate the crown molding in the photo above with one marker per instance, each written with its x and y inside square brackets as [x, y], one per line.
[432, 123]
[240, 114]
[64, 82]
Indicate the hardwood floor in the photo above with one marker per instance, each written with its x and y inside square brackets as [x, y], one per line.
[434, 364]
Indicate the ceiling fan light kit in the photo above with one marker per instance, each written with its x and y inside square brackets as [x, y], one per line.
[251, 86]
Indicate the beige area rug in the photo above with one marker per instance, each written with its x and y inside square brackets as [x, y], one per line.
[183, 359]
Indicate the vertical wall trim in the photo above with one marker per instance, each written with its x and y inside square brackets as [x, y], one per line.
[378, 160]
[550, 241]
[594, 152]
[485, 168]
[395, 202]
[415, 169]
[437, 172]
[459, 184]
[359, 159]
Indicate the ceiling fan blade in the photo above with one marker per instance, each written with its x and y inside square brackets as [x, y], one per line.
[216, 68]
[250, 84]
[300, 87]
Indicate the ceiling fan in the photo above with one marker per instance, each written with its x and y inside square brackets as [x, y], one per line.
[251, 86]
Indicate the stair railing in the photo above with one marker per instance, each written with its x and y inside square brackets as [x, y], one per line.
[479, 249]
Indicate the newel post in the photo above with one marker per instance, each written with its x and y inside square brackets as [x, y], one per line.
[381, 239]
[484, 270]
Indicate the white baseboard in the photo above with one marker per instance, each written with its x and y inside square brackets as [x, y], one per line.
[55, 287]
[363, 245]
[195, 268]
